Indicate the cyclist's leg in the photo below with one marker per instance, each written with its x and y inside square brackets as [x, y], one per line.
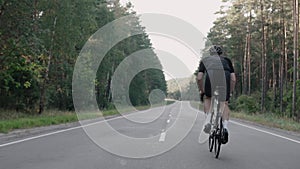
[225, 119]
[207, 97]
[207, 104]
[208, 111]
[226, 114]
[204, 135]
[226, 111]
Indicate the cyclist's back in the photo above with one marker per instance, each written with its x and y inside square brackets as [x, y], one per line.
[217, 70]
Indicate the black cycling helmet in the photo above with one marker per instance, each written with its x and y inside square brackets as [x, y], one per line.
[216, 50]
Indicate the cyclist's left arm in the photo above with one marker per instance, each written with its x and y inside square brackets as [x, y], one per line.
[200, 77]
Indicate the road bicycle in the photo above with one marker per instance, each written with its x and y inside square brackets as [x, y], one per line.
[216, 135]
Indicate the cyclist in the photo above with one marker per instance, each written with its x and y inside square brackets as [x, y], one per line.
[217, 70]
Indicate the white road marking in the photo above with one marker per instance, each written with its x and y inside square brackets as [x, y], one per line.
[65, 130]
[162, 137]
[61, 131]
[263, 131]
[39, 136]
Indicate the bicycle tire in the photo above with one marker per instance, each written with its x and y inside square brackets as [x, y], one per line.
[218, 141]
[217, 145]
[211, 142]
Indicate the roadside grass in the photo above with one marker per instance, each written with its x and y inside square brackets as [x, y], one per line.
[11, 120]
[266, 119]
[196, 105]
[14, 120]
[155, 105]
[269, 119]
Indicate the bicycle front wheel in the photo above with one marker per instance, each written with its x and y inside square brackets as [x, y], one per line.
[217, 145]
[218, 140]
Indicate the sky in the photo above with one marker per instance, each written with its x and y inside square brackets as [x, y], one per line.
[199, 13]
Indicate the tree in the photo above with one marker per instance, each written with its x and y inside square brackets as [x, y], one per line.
[296, 53]
[40, 42]
[259, 37]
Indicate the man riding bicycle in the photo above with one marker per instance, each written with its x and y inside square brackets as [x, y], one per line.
[217, 71]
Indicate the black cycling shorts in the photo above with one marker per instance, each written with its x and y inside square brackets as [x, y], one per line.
[219, 79]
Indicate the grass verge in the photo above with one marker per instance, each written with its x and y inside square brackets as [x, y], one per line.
[267, 119]
[196, 105]
[15, 120]
[10, 120]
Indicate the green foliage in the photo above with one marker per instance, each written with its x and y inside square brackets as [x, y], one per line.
[39, 45]
[247, 104]
[249, 22]
[175, 95]
[288, 98]
[270, 119]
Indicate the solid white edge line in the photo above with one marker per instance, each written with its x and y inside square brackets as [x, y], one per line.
[39, 136]
[57, 132]
[65, 130]
[263, 131]
[266, 132]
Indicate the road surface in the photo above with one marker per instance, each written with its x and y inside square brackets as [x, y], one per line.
[249, 146]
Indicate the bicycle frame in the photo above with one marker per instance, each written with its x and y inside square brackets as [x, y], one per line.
[216, 122]
[216, 114]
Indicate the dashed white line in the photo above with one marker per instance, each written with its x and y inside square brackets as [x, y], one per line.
[60, 131]
[162, 137]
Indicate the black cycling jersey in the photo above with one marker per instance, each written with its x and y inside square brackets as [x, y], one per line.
[219, 69]
[213, 62]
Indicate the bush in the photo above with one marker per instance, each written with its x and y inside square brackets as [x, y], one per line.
[288, 100]
[247, 104]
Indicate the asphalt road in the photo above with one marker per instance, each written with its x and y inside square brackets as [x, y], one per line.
[152, 145]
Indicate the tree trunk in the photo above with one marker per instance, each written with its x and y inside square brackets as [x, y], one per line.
[274, 80]
[249, 53]
[245, 67]
[282, 76]
[286, 59]
[281, 80]
[296, 52]
[46, 75]
[263, 53]
[249, 64]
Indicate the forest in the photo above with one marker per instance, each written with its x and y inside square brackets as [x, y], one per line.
[261, 37]
[40, 41]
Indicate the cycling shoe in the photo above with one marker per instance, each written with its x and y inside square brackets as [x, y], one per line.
[224, 138]
[207, 128]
